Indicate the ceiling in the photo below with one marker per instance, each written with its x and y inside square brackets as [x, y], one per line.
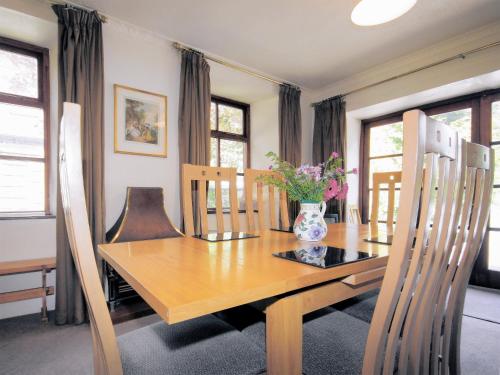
[308, 42]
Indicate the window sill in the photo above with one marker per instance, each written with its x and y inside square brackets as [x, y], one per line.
[26, 216]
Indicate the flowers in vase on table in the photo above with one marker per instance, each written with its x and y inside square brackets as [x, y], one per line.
[310, 183]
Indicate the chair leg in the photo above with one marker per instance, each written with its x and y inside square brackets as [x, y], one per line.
[44, 296]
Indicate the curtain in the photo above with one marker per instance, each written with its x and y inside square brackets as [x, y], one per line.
[290, 133]
[329, 135]
[81, 79]
[194, 116]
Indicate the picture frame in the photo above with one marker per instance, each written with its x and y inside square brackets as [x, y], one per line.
[140, 124]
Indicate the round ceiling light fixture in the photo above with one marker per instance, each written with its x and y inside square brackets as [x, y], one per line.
[376, 12]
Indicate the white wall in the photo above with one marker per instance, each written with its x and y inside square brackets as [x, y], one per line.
[136, 58]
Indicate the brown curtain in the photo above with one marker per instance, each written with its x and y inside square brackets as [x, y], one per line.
[194, 115]
[290, 133]
[329, 135]
[81, 79]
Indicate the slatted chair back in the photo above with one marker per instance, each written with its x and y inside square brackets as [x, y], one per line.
[441, 222]
[201, 176]
[379, 179]
[251, 176]
[353, 214]
[105, 347]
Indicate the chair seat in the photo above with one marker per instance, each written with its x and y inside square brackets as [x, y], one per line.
[361, 307]
[205, 345]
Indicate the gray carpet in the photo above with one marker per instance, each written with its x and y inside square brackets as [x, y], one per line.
[30, 347]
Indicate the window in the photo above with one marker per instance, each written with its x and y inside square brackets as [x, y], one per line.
[24, 129]
[494, 229]
[229, 143]
[384, 145]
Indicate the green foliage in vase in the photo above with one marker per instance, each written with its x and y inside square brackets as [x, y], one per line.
[309, 183]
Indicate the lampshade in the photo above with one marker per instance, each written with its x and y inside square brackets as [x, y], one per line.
[375, 12]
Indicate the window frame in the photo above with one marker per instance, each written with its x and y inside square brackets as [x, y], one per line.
[218, 134]
[41, 102]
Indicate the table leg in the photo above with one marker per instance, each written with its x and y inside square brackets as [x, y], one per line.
[44, 296]
[284, 337]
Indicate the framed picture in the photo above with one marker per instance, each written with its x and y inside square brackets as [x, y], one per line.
[140, 122]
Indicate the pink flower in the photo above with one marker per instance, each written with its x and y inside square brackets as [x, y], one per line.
[355, 170]
[334, 155]
[331, 190]
[339, 170]
[343, 192]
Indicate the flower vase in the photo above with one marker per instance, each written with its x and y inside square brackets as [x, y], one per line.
[310, 225]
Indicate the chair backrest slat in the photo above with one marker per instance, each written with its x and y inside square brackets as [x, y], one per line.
[384, 178]
[251, 179]
[195, 179]
[106, 354]
[441, 222]
[353, 214]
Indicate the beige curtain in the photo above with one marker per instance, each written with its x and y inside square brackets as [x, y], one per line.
[290, 133]
[80, 81]
[194, 115]
[329, 135]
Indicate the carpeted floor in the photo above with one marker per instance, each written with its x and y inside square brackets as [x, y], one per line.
[29, 347]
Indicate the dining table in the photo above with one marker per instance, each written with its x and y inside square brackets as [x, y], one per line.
[184, 277]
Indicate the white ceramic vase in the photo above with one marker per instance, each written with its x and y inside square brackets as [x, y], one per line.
[310, 225]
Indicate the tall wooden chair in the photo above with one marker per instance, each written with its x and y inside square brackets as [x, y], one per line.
[415, 328]
[251, 176]
[205, 345]
[195, 178]
[353, 216]
[384, 178]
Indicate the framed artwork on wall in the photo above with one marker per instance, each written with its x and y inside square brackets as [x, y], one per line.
[140, 122]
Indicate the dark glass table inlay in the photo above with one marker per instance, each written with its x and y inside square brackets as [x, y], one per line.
[226, 236]
[324, 256]
[380, 237]
[283, 229]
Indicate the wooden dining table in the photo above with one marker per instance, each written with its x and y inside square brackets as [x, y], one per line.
[184, 277]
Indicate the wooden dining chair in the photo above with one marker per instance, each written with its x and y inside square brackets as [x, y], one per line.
[384, 178]
[204, 345]
[353, 215]
[251, 176]
[415, 328]
[195, 179]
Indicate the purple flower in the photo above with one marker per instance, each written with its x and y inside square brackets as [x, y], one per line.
[339, 170]
[355, 170]
[334, 155]
[315, 232]
[270, 167]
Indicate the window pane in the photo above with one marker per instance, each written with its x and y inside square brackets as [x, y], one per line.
[22, 186]
[214, 150]
[497, 163]
[384, 165]
[495, 209]
[230, 119]
[459, 120]
[21, 130]
[18, 74]
[386, 139]
[233, 154]
[211, 194]
[494, 251]
[213, 116]
[495, 121]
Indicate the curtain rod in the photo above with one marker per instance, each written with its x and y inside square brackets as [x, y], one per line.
[102, 17]
[462, 56]
[181, 47]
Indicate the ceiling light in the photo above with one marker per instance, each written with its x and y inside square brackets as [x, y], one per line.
[375, 12]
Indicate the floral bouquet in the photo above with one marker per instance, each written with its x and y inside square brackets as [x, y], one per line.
[312, 186]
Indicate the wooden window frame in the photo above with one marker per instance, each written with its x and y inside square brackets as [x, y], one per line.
[245, 137]
[42, 102]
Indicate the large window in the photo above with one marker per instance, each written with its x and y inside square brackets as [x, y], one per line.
[24, 129]
[229, 143]
[477, 119]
